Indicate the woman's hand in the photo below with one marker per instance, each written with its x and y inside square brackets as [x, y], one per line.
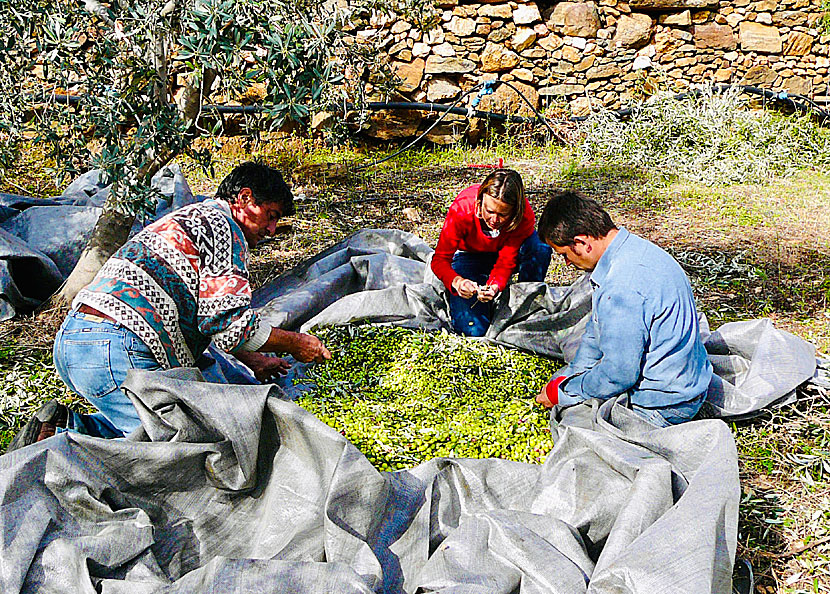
[464, 287]
[487, 293]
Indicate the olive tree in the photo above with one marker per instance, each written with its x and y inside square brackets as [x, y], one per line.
[126, 85]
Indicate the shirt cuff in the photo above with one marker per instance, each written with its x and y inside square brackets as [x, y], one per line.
[566, 399]
[259, 338]
[552, 389]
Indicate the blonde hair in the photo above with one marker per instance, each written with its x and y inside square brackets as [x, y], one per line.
[504, 185]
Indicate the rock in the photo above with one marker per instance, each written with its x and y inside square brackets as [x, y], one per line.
[410, 74]
[790, 18]
[733, 19]
[764, 18]
[641, 62]
[604, 71]
[714, 36]
[798, 44]
[681, 19]
[723, 74]
[474, 44]
[447, 133]
[439, 65]
[585, 63]
[498, 11]
[571, 54]
[534, 53]
[501, 34]
[577, 42]
[462, 27]
[506, 100]
[526, 14]
[798, 85]
[400, 27]
[404, 55]
[582, 106]
[561, 90]
[760, 76]
[420, 49]
[321, 120]
[648, 51]
[634, 30]
[497, 58]
[759, 38]
[256, 93]
[398, 47]
[444, 50]
[551, 43]
[579, 19]
[412, 214]
[523, 74]
[670, 4]
[665, 42]
[523, 39]
[434, 36]
[390, 125]
[439, 89]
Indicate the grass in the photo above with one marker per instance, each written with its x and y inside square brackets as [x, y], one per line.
[755, 247]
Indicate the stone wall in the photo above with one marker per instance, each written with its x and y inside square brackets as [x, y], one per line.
[603, 52]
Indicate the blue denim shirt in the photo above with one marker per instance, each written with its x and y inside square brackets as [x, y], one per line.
[643, 337]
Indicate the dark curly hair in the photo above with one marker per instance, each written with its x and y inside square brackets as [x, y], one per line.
[266, 185]
[568, 214]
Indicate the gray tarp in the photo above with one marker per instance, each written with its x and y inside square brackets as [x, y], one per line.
[235, 489]
[41, 239]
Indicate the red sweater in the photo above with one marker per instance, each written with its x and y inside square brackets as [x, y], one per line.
[462, 231]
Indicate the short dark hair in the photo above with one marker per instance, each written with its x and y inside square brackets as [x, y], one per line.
[266, 185]
[504, 185]
[568, 214]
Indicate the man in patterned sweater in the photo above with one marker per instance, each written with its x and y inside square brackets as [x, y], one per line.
[160, 300]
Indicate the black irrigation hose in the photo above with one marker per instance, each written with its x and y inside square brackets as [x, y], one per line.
[797, 102]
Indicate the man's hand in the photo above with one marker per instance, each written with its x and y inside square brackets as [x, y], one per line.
[308, 348]
[549, 396]
[304, 347]
[487, 292]
[464, 287]
[265, 368]
[542, 398]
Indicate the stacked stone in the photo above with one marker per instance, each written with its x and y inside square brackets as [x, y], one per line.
[605, 52]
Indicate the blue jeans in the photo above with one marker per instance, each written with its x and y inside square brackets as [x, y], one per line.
[92, 357]
[470, 316]
[666, 416]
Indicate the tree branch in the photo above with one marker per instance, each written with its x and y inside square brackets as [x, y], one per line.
[99, 10]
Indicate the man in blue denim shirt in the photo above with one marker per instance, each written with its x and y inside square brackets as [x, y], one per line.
[643, 339]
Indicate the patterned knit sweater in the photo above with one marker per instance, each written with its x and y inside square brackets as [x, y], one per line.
[180, 283]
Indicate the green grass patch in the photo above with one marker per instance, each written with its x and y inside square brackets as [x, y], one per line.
[27, 380]
[406, 396]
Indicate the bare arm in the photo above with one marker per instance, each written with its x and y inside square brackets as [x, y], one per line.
[304, 347]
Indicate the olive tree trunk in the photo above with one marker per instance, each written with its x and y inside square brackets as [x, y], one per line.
[110, 233]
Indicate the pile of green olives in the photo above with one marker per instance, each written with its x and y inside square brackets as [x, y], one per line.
[405, 396]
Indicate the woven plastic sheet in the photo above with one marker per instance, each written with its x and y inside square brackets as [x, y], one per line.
[41, 239]
[236, 489]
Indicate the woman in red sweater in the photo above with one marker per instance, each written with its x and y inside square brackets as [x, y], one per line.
[488, 235]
